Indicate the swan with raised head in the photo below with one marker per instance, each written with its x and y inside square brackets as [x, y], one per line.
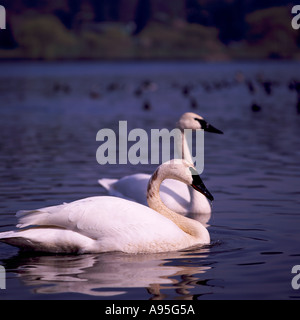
[175, 195]
[104, 223]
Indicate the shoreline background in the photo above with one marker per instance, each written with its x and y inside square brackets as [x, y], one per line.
[207, 30]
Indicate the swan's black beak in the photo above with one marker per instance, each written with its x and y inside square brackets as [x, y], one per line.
[198, 185]
[208, 127]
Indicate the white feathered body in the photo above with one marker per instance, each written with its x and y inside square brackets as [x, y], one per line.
[174, 194]
[98, 224]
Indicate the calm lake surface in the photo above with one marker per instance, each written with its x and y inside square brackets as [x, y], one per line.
[49, 117]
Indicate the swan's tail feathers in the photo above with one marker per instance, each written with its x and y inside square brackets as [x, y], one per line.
[12, 238]
[27, 218]
[52, 240]
[6, 234]
[35, 217]
[112, 188]
[107, 183]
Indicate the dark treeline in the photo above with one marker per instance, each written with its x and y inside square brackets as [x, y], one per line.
[227, 15]
[149, 29]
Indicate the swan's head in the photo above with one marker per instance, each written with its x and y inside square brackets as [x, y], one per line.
[183, 171]
[190, 120]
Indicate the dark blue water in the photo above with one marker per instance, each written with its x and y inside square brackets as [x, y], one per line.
[49, 117]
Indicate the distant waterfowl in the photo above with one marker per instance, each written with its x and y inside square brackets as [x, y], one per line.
[113, 86]
[95, 92]
[255, 107]
[147, 105]
[295, 85]
[250, 86]
[148, 85]
[104, 224]
[186, 90]
[176, 196]
[291, 85]
[145, 86]
[61, 87]
[267, 85]
[298, 105]
[193, 103]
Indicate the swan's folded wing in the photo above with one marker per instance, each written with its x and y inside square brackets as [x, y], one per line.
[131, 227]
[107, 183]
[38, 216]
[120, 220]
[64, 216]
[94, 216]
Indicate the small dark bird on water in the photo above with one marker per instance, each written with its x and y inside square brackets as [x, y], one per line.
[255, 107]
[94, 94]
[186, 90]
[61, 87]
[250, 86]
[297, 88]
[193, 103]
[147, 105]
[298, 106]
[295, 85]
[268, 87]
[112, 86]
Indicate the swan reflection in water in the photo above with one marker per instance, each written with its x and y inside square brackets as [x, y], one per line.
[110, 274]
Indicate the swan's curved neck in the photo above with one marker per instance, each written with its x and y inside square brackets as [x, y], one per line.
[184, 149]
[189, 226]
[186, 155]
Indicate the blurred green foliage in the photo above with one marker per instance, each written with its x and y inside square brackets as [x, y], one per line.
[43, 36]
[180, 41]
[270, 34]
[110, 43]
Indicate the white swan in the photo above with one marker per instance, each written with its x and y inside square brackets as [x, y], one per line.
[103, 224]
[175, 195]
